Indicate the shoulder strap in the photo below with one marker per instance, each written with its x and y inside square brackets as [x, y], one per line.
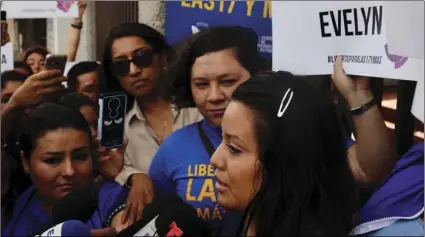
[207, 143]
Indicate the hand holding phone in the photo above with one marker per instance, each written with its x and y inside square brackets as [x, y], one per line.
[37, 88]
[112, 110]
[55, 62]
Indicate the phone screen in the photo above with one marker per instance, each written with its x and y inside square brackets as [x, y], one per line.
[57, 62]
[112, 110]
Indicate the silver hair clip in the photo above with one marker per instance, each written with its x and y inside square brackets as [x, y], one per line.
[284, 106]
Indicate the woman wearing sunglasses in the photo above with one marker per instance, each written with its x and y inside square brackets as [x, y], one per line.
[134, 59]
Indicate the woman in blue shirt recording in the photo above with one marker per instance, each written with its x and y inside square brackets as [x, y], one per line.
[57, 153]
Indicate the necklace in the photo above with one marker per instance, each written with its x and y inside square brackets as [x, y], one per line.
[161, 136]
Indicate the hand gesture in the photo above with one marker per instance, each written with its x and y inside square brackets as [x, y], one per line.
[38, 86]
[111, 161]
[140, 195]
[355, 89]
[82, 4]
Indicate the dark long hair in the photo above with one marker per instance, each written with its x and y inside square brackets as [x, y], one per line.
[243, 41]
[48, 117]
[38, 49]
[11, 75]
[82, 68]
[307, 187]
[155, 39]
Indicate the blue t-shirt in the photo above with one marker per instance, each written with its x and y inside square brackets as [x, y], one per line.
[29, 216]
[182, 166]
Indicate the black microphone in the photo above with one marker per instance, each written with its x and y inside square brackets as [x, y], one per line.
[150, 213]
[181, 220]
[79, 205]
[167, 215]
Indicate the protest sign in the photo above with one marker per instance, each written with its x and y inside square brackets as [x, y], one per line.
[405, 36]
[308, 36]
[7, 57]
[6, 45]
[184, 18]
[40, 9]
[404, 22]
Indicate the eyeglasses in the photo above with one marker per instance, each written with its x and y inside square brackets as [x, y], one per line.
[141, 59]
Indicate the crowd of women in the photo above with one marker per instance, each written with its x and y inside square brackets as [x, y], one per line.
[255, 152]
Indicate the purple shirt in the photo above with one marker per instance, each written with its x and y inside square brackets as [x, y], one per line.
[400, 196]
[29, 216]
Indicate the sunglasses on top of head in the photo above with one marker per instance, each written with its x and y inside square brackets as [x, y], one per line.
[143, 58]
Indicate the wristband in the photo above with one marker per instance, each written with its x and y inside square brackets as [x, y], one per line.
[76, 25]
[363, 108]
[113, 214]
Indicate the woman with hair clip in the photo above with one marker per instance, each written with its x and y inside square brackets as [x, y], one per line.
[211, 66]
[283, 162]
[134, 60]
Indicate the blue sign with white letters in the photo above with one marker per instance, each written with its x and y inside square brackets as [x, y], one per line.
[184, 18]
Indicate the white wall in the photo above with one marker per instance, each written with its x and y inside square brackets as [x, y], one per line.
[58, 31]
[152, 13]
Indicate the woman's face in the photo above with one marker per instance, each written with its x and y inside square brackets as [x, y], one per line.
[61, 161]
[36, 62]
[135, 64]
[91, 117]
[236, 159]
[214, 77]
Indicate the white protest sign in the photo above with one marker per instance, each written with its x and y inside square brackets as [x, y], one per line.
[404, 21]
[40, 9]
[7, 57]
[307, 37]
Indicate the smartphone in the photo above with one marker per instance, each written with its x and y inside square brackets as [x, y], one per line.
[55, 62]
[110, 126]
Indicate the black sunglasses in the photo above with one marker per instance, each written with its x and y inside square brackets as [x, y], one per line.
[141, 59]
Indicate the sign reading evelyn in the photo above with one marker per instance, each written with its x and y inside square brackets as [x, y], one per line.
[405, 35]
[6, 46]
[184, 18]
[308, 37]
[40, 9]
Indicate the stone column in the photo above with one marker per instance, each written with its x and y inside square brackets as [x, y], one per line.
[152, 13]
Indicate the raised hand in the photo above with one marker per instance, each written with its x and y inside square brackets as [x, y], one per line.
[355, 89]
[37, 87]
